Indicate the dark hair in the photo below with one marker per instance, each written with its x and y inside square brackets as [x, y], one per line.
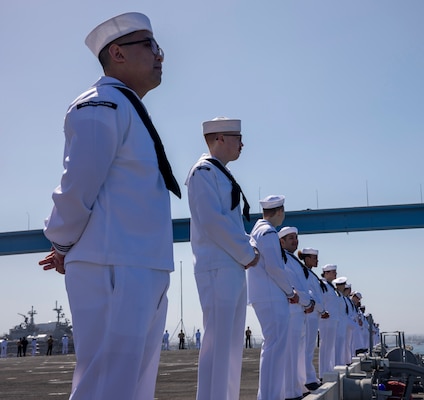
[270, 212]
[211, 137]
[104, 53]
[104, 56]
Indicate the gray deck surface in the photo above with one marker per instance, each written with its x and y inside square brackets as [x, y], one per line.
[49, 378]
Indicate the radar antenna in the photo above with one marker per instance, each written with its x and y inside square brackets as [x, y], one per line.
[59, 312]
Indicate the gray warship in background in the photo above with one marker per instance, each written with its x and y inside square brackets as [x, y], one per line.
[28, 328]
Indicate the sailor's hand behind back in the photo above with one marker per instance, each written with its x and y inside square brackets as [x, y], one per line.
[255, 260]
[53, 261]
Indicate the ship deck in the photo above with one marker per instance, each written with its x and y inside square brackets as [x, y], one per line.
[49, 377]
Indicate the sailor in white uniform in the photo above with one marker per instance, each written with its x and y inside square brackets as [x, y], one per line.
[165, 341]
[222, 252]
[269, 292]
[33, 346]
[294, 354]
[111, 225]
[365, 330]
[357, 341]
[198, 335]
[4, 348]
[65, 344]
[351, 322]
[341, 336]
[328, 327]
[309, 256]
[376, 334]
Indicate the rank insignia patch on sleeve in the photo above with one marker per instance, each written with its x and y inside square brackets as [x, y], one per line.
[97, 104]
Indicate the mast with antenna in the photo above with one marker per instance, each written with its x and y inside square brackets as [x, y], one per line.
[181, 323]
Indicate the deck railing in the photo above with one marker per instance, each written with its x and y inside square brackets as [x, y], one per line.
[332, 387]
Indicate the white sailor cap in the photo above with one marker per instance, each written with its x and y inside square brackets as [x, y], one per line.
[272, 201]
[287, 230]
[348, 286]
[310, 250]
[221, 124]
[340, 281]
[114, 28]
[329, 267]
[357, 294]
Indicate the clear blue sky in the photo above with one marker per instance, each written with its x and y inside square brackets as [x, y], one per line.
[330, 94]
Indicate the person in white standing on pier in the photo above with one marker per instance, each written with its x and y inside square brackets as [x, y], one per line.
[65, 344]
[309, 256]
[4, 348]
[198, 335]
[328, 327]
[222, 252]
[111, 226]
[294, 354]
[269, 292]
[33, 346]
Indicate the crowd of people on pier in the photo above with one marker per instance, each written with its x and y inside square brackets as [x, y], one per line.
[22, 343]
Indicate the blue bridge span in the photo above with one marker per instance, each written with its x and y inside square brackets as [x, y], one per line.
[354, 219]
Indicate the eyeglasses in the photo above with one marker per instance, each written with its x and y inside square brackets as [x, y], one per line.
[233, 134]
[156, 50]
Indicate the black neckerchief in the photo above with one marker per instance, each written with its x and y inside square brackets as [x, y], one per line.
[321, 283]
[346, 307]
[332, 286]
[164, 166]
[283, 254]
[305, 270]
[351, 302]
[235, 191]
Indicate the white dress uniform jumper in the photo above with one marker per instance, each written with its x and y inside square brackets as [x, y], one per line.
[269, 286]
[112, 212]
[294, 355]
[328, 330]
[221, 249]
[317, 289]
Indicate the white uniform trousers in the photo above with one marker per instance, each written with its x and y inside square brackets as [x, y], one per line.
[327, 348]
[273, 317]
[365, 335]
[356, 339]
[118, 316]
[294, 355]
[223, 297]
[341, 341]
[310, 345]
[349, 336]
